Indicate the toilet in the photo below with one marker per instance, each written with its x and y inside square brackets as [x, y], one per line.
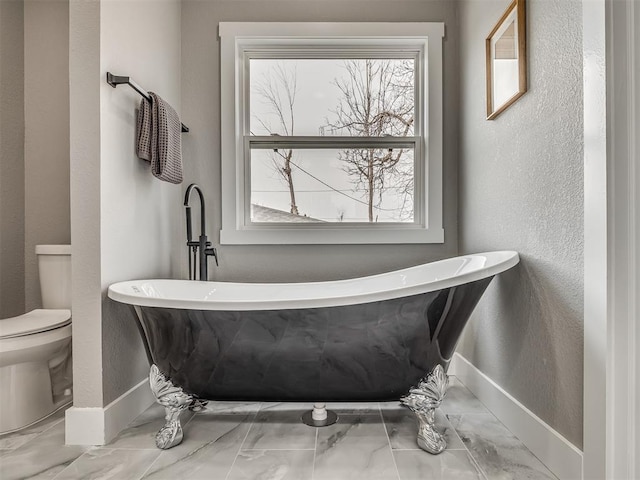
[35, 348]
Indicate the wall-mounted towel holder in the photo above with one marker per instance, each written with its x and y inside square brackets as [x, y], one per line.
[115, 80]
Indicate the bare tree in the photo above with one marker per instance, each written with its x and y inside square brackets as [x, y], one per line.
[377, 100]
[278, 91]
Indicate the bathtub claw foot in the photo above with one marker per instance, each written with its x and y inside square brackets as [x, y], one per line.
[429, 439]
[170, 435]
[423, 401]
[174, 400]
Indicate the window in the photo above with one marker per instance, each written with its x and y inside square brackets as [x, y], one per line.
[331, 133]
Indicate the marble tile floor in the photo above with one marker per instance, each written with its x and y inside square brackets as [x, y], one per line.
[266, 441]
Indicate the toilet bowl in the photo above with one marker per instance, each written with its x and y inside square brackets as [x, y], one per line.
[35, 348]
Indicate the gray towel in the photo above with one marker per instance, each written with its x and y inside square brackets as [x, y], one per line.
[158, 138]
[143, 130]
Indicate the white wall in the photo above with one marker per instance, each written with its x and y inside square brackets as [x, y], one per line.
[123, 218]
[201, 108]
[141, 215]
[521, 188]
[11, 158]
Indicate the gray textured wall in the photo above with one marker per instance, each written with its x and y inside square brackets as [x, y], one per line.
[34, 115]
[46, 145]
[521, 188]
[201, 111]
[11, 158]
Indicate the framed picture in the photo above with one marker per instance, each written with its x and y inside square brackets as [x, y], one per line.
[506, 60]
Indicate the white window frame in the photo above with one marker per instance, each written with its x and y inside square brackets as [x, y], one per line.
[241, 40]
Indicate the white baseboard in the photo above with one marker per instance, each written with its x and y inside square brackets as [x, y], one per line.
[556, 452]
[100, 425]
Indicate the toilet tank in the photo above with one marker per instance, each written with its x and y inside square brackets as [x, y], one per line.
[54, 266]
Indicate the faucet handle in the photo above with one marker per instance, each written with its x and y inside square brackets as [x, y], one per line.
[214, 252]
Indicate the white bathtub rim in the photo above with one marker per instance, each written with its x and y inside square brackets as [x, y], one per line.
[277, 296]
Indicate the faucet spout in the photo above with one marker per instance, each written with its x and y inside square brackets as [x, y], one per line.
[201, 247]
[187, 198]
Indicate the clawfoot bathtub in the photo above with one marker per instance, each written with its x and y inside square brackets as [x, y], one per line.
[377, 338]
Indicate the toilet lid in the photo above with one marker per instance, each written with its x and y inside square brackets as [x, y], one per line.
[36, 321]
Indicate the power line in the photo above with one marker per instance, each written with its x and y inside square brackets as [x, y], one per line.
[341, 192]
[317, 191]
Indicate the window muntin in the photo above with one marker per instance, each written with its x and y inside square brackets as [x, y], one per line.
[249, 47]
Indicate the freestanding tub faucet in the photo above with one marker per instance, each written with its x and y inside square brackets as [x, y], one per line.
[200, 249]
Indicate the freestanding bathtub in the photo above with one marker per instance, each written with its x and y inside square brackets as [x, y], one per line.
[373, 338]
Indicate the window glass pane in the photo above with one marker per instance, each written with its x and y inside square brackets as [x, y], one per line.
[329, 185]
[347, 97]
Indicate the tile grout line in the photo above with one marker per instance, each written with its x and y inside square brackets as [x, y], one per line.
[489, 412]
[448, 411]
[159, 453]
[471, 457]
[420, 450]
[315, 449]
[151, 465]
[386, 432]
[74, 461]
[479, 401]
[248, 415]
[474, 462]
[278, 449]
[477, 465]
[243, 440]
[153, 462]
[94, 447]
[102, 447]
[469, 454]
[31, 426]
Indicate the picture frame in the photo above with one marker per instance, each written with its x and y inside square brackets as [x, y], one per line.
[506, 60]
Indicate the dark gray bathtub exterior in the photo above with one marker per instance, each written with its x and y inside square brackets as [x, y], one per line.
[368, 352]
